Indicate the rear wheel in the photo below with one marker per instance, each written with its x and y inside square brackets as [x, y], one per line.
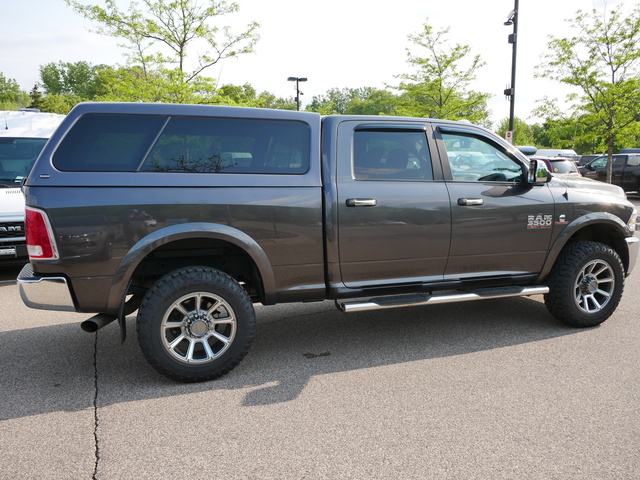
[586, 284]
[195, 324]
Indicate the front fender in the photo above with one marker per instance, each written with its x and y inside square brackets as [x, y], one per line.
[184, 231]
[574, 228]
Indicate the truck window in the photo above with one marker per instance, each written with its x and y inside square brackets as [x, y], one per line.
[17, 156]
[107, 143]
[391, 155]
[154, 143]
[230, 145]
[473, 159]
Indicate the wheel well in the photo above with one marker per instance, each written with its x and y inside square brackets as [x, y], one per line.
[609, 236]
[219, 254]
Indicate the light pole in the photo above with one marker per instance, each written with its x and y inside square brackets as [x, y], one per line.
[298, 92]
[511, 91]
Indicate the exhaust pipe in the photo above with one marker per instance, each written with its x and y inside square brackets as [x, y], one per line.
[96, 322]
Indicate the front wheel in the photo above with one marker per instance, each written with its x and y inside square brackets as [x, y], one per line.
[195, 324]
[585, 284]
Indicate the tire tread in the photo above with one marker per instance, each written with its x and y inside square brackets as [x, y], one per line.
[559, 300]
[158, 293]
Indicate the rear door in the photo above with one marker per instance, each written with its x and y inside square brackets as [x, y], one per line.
[631, 175]
[501, 225]
[598, 169]
[393, 213]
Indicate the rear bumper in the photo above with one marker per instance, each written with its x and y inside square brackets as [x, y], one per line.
[633, 244]
[44, 293]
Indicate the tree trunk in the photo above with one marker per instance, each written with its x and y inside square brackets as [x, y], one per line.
[609, 158]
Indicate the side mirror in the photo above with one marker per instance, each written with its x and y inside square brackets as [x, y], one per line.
[538, 172]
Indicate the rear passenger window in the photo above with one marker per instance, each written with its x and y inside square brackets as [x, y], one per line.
[391, 155]
[129, 143]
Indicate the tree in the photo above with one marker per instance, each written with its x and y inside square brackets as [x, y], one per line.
[58, 103]
[81, 79]
[439, 88]
[11, 97]
[522, 133]
[355, 101]
[602, 62]
[246, 96]
[36, 98]
[163, 37]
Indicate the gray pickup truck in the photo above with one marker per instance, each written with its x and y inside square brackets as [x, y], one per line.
[625, 170]
[191, 214]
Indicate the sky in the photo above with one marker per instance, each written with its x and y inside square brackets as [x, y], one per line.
[334, 43]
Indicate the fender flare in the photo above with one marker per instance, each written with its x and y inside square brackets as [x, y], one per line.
[596, 218]
[183, 231]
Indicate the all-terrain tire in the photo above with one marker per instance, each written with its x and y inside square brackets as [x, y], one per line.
[195, 324]
[585, 284]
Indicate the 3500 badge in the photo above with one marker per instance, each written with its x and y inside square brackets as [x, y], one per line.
[539, 221]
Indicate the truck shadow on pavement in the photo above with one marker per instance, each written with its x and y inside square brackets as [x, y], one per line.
[61, 368]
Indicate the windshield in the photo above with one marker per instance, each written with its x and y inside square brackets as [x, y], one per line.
[564, 166]
[17, 156]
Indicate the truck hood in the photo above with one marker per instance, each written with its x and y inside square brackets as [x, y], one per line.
[587, 184]
[11, 204]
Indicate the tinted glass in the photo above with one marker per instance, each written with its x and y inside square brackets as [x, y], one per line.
[475, 159]
[107, 143]
[17, 156]
[391, 155]
[230, 145]
[564, 166]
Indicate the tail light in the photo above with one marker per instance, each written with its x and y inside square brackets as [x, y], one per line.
[40, 242]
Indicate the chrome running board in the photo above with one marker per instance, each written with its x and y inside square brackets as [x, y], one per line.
[428, 299]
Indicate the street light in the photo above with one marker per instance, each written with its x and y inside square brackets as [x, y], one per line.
[511, 91]
[298, 92]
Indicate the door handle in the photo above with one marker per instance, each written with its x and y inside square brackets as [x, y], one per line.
[468, 202]
[361, 202]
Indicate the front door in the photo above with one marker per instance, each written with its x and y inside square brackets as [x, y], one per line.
[501, 226]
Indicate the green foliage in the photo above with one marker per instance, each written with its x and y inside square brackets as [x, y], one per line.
[59, 103]
[160, 39]
[439, 87]
[355, 101]
[246, 96]
[36, 98]
[65, 78]
[134, 84]
[522, 133]
[603, 63]
[11, 97]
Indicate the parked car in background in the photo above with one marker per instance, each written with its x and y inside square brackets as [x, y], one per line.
[586, 159]
[558, 152]
[630, 150]
[23, 134]
[528, 150]
[625, 170]
[560, 165]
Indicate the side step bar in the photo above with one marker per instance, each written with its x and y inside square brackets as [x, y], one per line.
[428, 299]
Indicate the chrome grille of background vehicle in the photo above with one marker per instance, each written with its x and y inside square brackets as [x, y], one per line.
[12, 230]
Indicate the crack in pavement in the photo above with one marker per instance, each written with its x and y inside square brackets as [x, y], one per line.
[95, 409]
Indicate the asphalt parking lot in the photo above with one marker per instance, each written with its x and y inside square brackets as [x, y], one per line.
[495, 389]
